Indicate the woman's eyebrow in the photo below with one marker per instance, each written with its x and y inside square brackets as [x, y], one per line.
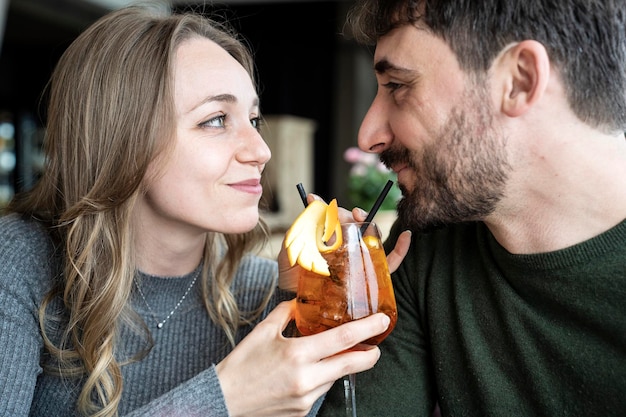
[224, 98]
[227, 98]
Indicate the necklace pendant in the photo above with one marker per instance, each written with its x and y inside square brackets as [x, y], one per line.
[160, 324]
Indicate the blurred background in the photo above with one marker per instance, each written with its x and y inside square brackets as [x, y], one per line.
[316, 86]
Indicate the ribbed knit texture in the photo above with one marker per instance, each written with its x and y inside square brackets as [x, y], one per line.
[486, 333]
[177, 378]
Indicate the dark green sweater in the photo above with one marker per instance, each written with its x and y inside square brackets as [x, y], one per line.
[483, 332]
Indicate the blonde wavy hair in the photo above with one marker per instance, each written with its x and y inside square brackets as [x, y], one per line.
[110, 114]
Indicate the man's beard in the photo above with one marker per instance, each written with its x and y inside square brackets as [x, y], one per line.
[460, 174]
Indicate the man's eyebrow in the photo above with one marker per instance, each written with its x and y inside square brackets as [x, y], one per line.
[384, 65]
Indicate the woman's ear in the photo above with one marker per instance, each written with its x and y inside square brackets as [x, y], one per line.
[523, 69]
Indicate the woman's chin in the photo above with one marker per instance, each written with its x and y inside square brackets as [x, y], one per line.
[239, 224]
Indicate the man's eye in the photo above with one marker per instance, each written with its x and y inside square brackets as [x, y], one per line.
[391, 86]
[217, 121]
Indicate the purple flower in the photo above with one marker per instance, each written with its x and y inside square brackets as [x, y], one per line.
[352, 155]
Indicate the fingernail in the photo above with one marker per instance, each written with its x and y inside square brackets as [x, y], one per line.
[362, 212]
[386, 320]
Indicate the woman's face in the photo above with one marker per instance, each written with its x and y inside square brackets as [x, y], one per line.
[211, 180]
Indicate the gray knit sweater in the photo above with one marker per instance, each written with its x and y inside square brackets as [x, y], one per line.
[177, 377]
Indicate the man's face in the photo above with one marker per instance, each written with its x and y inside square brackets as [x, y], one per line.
[433, 125]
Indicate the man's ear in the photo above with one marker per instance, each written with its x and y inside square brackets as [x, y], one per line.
[523, 70]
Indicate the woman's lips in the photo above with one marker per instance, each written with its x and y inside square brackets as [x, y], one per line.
[252, 186]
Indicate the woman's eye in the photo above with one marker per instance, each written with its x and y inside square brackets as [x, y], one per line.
[256, 123]
[217, 121]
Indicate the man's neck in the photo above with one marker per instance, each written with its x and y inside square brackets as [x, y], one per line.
[563, 196]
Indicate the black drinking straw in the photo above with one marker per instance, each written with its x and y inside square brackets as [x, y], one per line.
[372, 212]
[300, 188]
[376, 206]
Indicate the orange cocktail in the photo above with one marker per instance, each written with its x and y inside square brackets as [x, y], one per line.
[359, 284]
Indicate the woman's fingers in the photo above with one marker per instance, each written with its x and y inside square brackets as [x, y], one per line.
[286, 375]
[349, 362]
[333, 341]
[282, 314]
[287, 274]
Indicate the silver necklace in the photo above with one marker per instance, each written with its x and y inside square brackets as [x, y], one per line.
[161, 323]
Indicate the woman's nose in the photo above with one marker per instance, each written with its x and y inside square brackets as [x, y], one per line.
[255, 149]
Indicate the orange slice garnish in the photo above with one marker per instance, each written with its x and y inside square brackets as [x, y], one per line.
[308, 236]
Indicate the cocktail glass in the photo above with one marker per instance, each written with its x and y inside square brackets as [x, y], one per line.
[359, 285]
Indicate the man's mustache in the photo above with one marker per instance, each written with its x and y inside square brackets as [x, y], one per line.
[394, 157]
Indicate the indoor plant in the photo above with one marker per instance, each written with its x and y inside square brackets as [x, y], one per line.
[367, 178]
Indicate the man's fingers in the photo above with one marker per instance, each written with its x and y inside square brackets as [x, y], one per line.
[396, 256]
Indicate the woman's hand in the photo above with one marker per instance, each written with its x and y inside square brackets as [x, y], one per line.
[268, 374]
[288, 275]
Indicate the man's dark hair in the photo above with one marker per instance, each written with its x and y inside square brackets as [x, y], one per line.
[585, 39]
